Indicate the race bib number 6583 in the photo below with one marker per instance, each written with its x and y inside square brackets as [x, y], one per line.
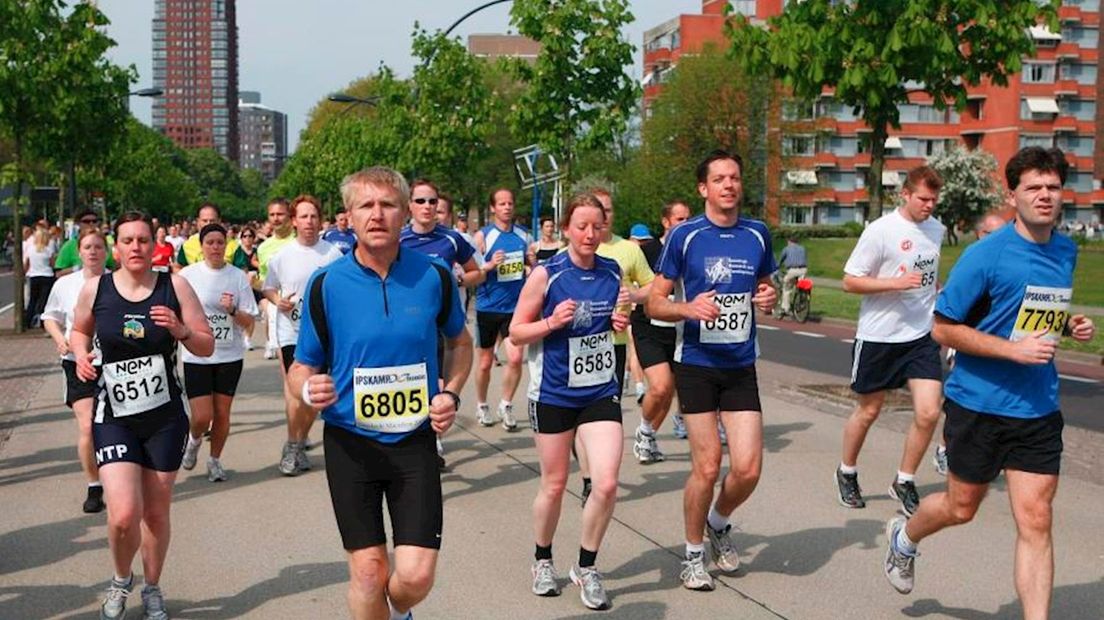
[1043, 309]
[591, 360]
[393, 399]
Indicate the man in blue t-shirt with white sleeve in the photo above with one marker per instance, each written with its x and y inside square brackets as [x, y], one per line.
[1004, 309]
[718, 265]
[376, 383]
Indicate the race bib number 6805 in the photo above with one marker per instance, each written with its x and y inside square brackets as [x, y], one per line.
[393, 399]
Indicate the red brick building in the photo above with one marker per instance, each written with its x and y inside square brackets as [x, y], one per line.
[821, 177]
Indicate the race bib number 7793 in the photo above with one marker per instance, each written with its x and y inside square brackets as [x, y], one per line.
[392, 399]
[1043, 308]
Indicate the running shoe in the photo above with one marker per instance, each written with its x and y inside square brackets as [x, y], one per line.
[900, 567]
[153, 603]
[905, 492]
[94, 501]
[191, 452]
[591, 592]
[694, 575]
[215, 472]
[721, 432]
[639, 389]
[441, 455]
[289, 459]
[680, 427]
[646, 449]
[484, 415]
[850, 495]
[721, 550]
[302, 461]
[249, 344]
[509, 422]
[270, 353]
[545, 579]
[114, 605]
[940, 460]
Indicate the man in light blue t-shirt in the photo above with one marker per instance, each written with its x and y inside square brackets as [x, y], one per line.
[1004, 309]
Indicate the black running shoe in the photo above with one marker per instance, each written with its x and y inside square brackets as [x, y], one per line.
[94, 502]
[850, 495]
[905, 492]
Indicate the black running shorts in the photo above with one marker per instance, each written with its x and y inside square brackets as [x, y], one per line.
[620, 358]
[490, 326]
[550, 419]
[980, 445]
[287, 356]
[704, 390]
[880, 366]
[207, 379]
[156, 443]
[361, 472]
[75, 388]
[654, 345]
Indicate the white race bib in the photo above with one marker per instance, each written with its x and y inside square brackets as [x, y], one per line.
[296, 313]
[512, 267]
[733, 326]
[1043, 308]
[222, 326]
[394, 399]
[590, 360]
[136, 385]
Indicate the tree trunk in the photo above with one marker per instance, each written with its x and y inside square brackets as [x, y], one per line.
[877, 164]
[17, 236]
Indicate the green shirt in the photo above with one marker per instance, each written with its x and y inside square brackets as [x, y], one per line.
[267, 250]
[68, 258]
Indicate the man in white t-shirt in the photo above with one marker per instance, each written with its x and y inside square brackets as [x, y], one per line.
[174, 238]
[894, 267]
[284, 286]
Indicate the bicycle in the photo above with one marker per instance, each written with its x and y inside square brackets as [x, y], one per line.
[801, 300]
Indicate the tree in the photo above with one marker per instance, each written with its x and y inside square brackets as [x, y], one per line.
[577, 92]
[874, 53]
[970, 186]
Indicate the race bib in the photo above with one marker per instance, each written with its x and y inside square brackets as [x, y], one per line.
[222, 326]
[296, 313]
[394, 399]
[512, 267]
[1043, 308]
[590, 360]
[733, 326]
[658, 323]
[136, 385]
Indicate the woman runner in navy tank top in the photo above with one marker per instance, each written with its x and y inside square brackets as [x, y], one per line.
[567, 313]
[140, 419]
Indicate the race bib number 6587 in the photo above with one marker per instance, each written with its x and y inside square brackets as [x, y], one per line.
[734, 323]
[393, 399]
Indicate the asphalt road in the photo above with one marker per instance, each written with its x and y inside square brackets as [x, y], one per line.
[7, 293]
[810, 347]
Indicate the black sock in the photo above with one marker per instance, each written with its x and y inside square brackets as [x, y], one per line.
[587, 558]
[586, 483]
[543, 553]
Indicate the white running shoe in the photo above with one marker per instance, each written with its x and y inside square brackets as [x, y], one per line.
[270, 353]
[215, 472]
[191, 452]
[694, 575]
[506, 412]
[483, 414]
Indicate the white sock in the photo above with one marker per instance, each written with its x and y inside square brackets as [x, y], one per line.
[903, 542]
[194, 441]
[717, 521]
[691, 548]
[481, 404]
[639, 387]
[848, 469]
[127, 580]
[213, 459]
[395, 614]
[646, 427]
[903, 477]
[94, 484]
[502, 404]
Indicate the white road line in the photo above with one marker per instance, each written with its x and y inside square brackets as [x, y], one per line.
[6, 308]
[810, 334]
[1078, 379]
[849, 340]
[772, 328]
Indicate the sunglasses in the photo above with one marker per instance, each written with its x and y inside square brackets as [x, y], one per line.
[94, 220]
[422, 201]
[248, 236]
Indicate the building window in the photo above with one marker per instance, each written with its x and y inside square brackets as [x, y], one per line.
[743, 7]
[795, 214]
[831, 108]
[797, 110]
[1084, 37]
[1082, 146]
[1083, 73]
[1038, 73]
[798, 145]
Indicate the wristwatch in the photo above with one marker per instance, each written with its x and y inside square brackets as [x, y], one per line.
[455, 398]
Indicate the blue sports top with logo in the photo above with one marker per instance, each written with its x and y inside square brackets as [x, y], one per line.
[139, 358]
[500, 292]
[383, 342]
[441, 242]
[574, 366]
[700, 256]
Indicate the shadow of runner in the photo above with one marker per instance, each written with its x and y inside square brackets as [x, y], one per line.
[292, 580]
[774, 435]
[804, 552]
[631, 611]
[1082, 600]
[45, 601]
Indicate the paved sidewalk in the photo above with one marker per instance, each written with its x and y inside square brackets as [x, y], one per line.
[261, 545]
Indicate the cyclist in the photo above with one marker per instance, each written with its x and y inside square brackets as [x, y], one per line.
[796, 265]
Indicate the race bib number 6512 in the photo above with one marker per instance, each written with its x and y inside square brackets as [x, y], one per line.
[393, 399]
[1043, 308]
[137, 385]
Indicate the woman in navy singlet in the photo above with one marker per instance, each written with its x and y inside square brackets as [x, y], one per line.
[568, 310]
[140, 420]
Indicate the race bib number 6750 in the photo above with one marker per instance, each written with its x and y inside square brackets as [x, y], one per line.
[1043, 308]
[512, 267]
[393, 399]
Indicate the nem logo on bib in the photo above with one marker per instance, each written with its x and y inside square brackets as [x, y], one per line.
[134, 329]
[717, 270]
[584, 315]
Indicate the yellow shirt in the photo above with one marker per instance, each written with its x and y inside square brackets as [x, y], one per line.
[191, 252]
[635, 270]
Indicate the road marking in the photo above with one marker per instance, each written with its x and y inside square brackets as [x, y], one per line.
[1078, 379]
[772, 328]
[849, 340]
[810, 334]
[6, 308]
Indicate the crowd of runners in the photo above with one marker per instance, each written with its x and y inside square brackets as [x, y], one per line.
[368, 318]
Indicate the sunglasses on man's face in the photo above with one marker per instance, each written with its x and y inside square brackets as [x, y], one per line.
[422, 201]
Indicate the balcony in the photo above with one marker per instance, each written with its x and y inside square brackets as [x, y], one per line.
[825, 159]
[1067, 49]
[1066, 87]
[1069, 13]
[1065, 124]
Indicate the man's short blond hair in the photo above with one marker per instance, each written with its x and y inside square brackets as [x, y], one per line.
[376, 175]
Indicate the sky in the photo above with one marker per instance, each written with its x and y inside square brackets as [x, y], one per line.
[297, 52]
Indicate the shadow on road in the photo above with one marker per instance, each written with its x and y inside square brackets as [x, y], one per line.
[807, 551]
[1074, 601]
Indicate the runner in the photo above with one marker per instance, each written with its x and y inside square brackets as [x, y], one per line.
[279, 219]
[191, 252]
[567, 313]
[57, 318]
[68, 257]
[162, 251]
[370, 453]
[340, 235]
[245, 258]
[655, 349]
[141, 420]
[1002, 396]
[548, 245]
[895, 267]
[211, 381]
[503, 246]
[719, 265]
[444, 210]
[284, 287]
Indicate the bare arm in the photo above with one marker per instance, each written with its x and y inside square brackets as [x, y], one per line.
[84, 325]
[659, 307]
[53, 328]
[868, 285]
[473, 275]
[1031, 350]
[527, 325]
[195, 334]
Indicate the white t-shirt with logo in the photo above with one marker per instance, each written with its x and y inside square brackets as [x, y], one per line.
[209, 285]
[288, 274]
[890, 247]
[62, 304]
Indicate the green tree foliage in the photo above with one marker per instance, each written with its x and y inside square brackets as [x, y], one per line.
[970, 186]
[874, 53]
[577, 92]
